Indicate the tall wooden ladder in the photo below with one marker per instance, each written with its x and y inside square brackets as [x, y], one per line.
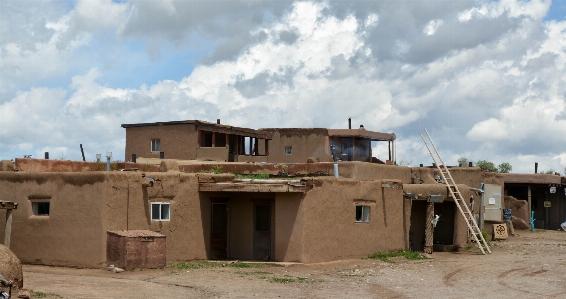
[455, 193]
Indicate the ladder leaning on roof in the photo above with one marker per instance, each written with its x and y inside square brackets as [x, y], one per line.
[455, 193]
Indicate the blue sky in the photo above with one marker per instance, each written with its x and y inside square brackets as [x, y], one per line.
[487, 78]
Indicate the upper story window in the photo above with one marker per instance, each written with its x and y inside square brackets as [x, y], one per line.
[363, 152]
[362, 213]
[155, 145]
[160, 211]
[288, 150]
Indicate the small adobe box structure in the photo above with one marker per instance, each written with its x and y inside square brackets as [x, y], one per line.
[195, 140]
[136, 249]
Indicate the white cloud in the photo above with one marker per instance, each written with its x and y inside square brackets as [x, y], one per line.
[432, 26]
[486, 78]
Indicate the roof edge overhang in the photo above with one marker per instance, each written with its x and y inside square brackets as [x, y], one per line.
[208, 126]
[357, 133]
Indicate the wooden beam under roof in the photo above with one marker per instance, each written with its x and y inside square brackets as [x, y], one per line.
[251, 187]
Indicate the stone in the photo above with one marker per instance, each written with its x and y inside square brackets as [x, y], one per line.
[24, 294]
[117, 270]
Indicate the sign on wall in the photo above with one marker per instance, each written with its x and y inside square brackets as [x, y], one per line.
[552, 189]
[547, 204]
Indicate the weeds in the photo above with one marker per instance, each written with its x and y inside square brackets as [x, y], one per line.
[208, 265]
[217, 169]
[286, 279]
[408, 254]
[259, 176]
[44, 295]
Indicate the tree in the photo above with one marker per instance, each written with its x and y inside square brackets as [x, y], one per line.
[486, 165]
[463, 161]
[550, 171]
[504, 167]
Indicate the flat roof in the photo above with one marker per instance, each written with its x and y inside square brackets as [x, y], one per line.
[521, 178]
[208, 126]
[359, 133]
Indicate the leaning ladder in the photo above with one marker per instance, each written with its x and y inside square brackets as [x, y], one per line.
[455, 193]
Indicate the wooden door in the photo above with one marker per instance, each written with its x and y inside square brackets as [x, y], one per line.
[219, 231]
[262, 231]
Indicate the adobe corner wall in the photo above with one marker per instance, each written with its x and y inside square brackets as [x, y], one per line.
[72, 234]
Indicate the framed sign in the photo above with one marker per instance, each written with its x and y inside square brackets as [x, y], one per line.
[552, 189]
[547, 204]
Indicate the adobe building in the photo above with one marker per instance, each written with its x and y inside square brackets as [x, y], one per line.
[296, 145]
[200, 140]
[543, 194]
[64, 218]
[195, 140]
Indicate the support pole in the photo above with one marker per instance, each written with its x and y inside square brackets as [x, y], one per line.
[251, 146]
[83, 152]
[529, 200]
[429, 229]
[8, 228]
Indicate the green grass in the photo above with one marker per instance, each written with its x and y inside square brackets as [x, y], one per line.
[208, 265]
[408, 254]
[44, 295]
[258, 176]
[282, 279]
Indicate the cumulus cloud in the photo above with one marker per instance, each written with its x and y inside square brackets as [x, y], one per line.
[486, 78]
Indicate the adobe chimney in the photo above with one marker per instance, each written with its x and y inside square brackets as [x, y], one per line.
[218, 121]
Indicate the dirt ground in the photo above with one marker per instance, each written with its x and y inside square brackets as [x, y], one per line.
[528, 265]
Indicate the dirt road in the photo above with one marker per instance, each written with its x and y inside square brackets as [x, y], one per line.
[529, 265]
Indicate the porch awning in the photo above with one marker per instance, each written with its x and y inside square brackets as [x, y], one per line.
[251, 185]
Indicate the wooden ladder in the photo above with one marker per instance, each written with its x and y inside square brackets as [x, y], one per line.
[455, 193]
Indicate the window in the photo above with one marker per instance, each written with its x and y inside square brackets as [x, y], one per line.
[160, 211]
[362, 213]
[40, 208]
[363, 152]
[344, 148]
[288, 150]
[155, 145]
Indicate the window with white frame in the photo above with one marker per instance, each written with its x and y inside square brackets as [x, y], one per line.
[362, 213]
[155, 145]
[160, 211]
[288, 150]
[40, 208]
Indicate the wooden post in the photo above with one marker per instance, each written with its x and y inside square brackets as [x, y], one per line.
[529, 200]
[228, 141]
[256, 146]
[8, 228]
[266, 147]
[213, 138]
[429, 229]
[199, 138]
[390, 151]
[251, 148]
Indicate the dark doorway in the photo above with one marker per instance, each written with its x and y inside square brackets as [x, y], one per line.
[219, 231]
[262, 231]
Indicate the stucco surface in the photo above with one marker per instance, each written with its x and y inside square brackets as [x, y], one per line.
[74, 221]
[178, 141]
[304, 142]
[330, 228]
